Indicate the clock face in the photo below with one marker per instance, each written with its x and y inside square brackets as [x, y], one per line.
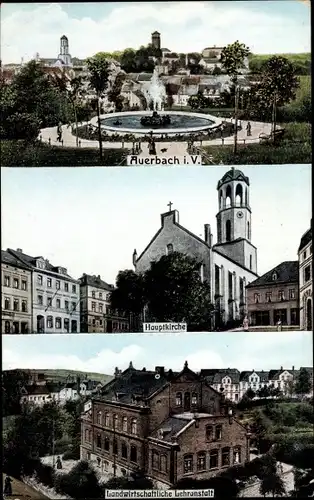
[240, 215]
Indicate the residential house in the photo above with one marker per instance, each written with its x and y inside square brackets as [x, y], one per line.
[306, 281]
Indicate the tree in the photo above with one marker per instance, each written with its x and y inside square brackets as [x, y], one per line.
[99, 73]
[303, 384]
[114, 94]
[232, 60]
[129, 296]
[272, 483]
[263, 392]
[12, 383]
[175, 292]
[81, 482]
[303, 483]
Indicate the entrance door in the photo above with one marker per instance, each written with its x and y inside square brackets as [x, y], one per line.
[40, 324]
[187, 401]
[309, 315]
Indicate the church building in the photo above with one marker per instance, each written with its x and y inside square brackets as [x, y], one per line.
[228, 265]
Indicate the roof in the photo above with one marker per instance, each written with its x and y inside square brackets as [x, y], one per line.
[233, 175]
[36, 389]
[95, 281]
[144, 77]
[156, 33]
[215, 376]
[306, 239]
[31, 261]
[287, 272]
[64, 37]
[264, 376]
[171, 427]
[7, 258]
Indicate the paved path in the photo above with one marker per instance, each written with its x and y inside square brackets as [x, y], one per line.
[173, 148]
[286, 475]
[22, 491]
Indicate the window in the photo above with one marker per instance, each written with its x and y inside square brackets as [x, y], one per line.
[58, 284]
[66, 324]
[49, 301]
[16, 283]
[66, 305]
[292, 294]
[213, 459]
[218, 432]
[7, 328]
[49, 282]
[188, 464]
[225, 457]
[73, 288]
[7, 281]
[107, 420]
[66, 287]
[40, 300]
[179, 399]
[194, 399]
[133, 454]
[58, 303]
[100, 295]
[98, 441]
[281, 295]
[74, 326]
[155, 460]
[237, 455]
[115, 447]
[209, 432]
[228, 230]
[201, 460]
[257, 298]
[125, 424]
[24, 306]
[163, 463]
[268, 296]
[304, 255]
[24, 285]
[16, 305]
[124, 451]
[274, 276]
[39, 279]
[93, 295]
[99, 418]
[115, 422]
[86, 435]
[106, 444]
[49, 322]
[73, 305]
[7, 303]
[251, 262]
[100, 308]
[294, 316]
[307, 274]
[93, 306]
[169, 248]
[134, 426]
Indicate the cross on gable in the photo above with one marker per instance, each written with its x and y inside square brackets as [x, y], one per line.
[170, 205]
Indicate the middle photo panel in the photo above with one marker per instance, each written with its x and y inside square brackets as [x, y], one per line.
[162, 250]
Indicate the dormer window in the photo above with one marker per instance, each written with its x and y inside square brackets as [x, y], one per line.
[40, 264]
[169, 249]
[274, 276]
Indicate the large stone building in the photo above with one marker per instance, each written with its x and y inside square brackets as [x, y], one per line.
[306, 281]
[166, 425]
[96, 313]
[274, 297]
[230, 264]
[55, 296]
[16, 295]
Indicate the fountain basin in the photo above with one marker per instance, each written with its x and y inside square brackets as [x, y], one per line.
[181, 122]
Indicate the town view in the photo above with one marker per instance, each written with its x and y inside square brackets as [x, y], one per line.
[243, 431]
[227, 100]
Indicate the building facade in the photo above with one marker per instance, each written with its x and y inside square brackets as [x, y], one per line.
[97, 315]
[166, 425]
[306, 281]
[230, 264]
[55, 296]
[274, 297]
[16, 295]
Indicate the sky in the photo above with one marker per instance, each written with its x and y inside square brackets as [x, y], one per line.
[90, 220]
[265, 26]
[102, 353]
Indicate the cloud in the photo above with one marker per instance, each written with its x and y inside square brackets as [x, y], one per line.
[185, 26]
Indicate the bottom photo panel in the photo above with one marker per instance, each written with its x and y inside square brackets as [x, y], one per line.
[221, 415]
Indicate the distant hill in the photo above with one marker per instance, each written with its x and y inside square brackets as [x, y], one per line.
[62, 374]
[302, 61]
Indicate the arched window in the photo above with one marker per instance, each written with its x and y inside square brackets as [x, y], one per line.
[228, 196]
[125, 424]
[201, 460]
[99, 418]
[107, 420]
[98, 441]
[194, 399]
[239, 195]
[169, 248]
[246, 196]
[86, 435]
[163, 463]
[248, 231]
[155, 460]
[228, 230]
[218, 432]
[179, 399]
[134, 426]
[209, 432]
[225, 457]
[106, 444]
[115, 421]
[221, 206]
[237, 455]
[124, 451]
[187, 401]
[7, 327]
[213, 459]
[133, 454]
[188, 464]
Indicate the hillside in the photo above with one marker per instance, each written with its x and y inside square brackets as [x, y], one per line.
[301, 61]
[62, 374]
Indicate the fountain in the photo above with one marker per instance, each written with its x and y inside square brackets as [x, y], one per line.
[155, 92]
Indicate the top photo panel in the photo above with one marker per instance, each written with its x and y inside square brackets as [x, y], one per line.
[162, 83]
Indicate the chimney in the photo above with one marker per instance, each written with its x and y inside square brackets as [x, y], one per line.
[19, 250]
[207, 235]
[134, 259]
[98, 276]
[293, 368]
[160, 370]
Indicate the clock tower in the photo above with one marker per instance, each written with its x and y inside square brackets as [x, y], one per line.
[234, 219]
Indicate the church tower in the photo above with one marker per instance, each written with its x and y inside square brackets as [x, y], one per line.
[64, 51]
[234, 219]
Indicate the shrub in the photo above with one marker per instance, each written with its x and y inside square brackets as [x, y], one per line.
[80, 483]
[71, 454]
[45, 474]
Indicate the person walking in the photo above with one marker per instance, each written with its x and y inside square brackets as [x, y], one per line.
[246, 324]
[59, 463]
[7, 486]
[279, 326]
[248, 129]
